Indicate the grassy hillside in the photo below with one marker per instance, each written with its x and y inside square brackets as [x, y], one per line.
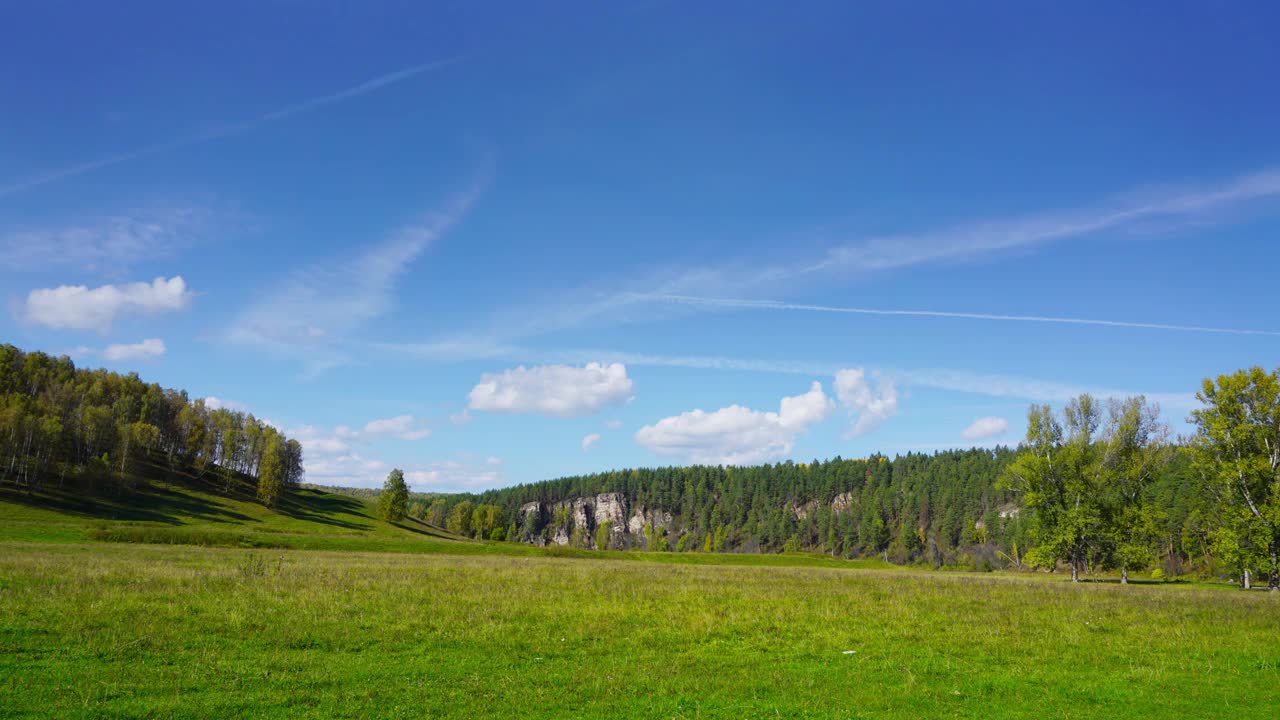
[186, 513]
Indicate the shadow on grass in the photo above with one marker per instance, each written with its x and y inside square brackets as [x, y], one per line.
[324, 508]
[158, 504]
[420, 528]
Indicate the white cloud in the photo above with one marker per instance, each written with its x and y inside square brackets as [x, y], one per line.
[329, 458]
[81, 308]
[317, 441]
[217, 403]
[149, 348]
[493, 460]
[871, 406]
[613, 424]
[460, 418]
[344, 469]
[401, 426]
[736, 435]
[985, 427]
[559, 390]
[590, 440]
[453, 475]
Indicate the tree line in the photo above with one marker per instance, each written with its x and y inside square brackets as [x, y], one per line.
[1095, 486]
[61, 424]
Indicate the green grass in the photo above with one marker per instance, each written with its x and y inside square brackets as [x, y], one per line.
[154, 631]
[183, 602]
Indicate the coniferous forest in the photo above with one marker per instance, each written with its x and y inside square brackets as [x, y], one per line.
[103, 431]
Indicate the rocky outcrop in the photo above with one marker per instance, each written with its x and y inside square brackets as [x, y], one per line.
[656, 519]
[842, 502]
[577, 520]
[802, 511]
[530, 520]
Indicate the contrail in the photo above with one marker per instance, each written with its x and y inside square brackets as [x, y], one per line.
[775, 305]
[226, 130]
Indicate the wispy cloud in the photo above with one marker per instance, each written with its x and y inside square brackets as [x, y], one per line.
[736, 304]
[967, 241]
[228, 129]
[311, 315]
[454, 475]
[954, 380]
[404, 427]
[105, 243]
[148, 349]
[671, 292]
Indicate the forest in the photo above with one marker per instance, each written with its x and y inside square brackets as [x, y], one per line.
[1095, 486]
[103, 431]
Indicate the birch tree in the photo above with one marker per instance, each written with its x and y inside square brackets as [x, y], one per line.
[1237, 451]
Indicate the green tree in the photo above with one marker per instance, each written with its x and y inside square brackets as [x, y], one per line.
[459, 521]
[394, 498]
[1136, 451]
[436, 512]
[1237, 456]
[604, 533]
[485, 519]
[1058, 475]
[271, 470]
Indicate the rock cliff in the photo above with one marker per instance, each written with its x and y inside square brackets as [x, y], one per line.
[576, 521]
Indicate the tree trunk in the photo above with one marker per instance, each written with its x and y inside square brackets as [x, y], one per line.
[1245, 582]
[1274, 583]
[1124, 576]
[1075, 569]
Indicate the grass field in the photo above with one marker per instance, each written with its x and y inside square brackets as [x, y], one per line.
[442, 628]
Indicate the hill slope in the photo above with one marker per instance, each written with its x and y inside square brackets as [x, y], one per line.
[165, 511]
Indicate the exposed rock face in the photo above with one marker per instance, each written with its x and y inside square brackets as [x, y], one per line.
[581, 517]
[531, 521]
[802, 511]
[656, 519]
[842, 502]
[612, 508]
[626, 527]
[581, 512]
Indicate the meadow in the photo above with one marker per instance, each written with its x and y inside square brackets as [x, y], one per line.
[446, 628]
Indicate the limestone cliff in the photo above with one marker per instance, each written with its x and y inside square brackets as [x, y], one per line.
[576, 521]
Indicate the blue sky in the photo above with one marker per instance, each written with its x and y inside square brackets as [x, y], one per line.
[493, 243]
